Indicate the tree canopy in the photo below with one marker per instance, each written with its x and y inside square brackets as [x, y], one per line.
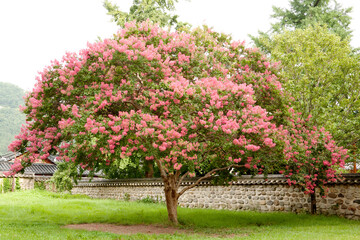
[322, 74]
[319, 68]
[192, 102]
[304, 13]
[157, 11]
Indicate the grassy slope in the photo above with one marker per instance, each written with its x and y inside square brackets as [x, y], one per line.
[40, 215]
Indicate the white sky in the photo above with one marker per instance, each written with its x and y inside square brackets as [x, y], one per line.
[34, 32]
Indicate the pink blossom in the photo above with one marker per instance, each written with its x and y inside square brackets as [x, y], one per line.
[177, 166]
[251, 147]
[94, 130]
[268, 142]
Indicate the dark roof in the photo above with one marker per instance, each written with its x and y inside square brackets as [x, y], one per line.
[5, 166]
[36, 168]
[53, 159]
[9, 156]
[39, 169]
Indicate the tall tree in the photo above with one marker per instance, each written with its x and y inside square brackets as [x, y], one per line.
[304, 13]
[192, 102]
[323, 76]
[320, 67]
[157, 11]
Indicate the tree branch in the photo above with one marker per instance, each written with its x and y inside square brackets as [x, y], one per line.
[162, 171]
[316, 3]
[208, 175]
[182, 179]
[137, 107]
[177, 174]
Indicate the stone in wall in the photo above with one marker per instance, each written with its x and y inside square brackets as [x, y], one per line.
[245, 193]
[26, 181]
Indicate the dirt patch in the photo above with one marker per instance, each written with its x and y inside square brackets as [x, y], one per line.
[128, 229]
[148, 229]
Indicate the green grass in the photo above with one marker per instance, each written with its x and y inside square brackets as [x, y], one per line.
[41, 215]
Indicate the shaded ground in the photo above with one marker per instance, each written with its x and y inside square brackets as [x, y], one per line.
[128, 229]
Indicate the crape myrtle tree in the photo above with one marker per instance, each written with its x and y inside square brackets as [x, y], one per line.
[195, 103]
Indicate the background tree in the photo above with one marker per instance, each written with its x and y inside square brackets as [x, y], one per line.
[320, 69]
[304, 13]
[323, 77]
[157, 11]
[192, 102]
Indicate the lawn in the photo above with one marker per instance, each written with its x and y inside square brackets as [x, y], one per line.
[41, 215]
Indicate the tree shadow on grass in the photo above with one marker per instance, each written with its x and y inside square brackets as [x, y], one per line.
[203, 218]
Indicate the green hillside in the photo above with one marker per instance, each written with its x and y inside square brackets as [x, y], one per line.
[11, 119]
[11, 95]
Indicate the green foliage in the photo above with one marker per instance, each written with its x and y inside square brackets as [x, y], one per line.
[39, 185]
[304, 13]
[17, 184]
[158, 11]
[126, 197]
[129, 167]
[311, 39]
[125, 168]
[6, 185]
[149, 199]
[65, 175]
[323, 77]
[310, 12]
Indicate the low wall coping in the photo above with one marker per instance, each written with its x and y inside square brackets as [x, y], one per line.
[243, 180]
[25, 175]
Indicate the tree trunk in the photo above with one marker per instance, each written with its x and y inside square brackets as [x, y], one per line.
[313, 202]
[171, 197]
[149, 169]
[13, 184]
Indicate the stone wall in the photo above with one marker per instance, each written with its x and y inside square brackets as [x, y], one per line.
[246, 193]
[26, 181]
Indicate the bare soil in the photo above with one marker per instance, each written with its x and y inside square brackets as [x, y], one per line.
[128, 229]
